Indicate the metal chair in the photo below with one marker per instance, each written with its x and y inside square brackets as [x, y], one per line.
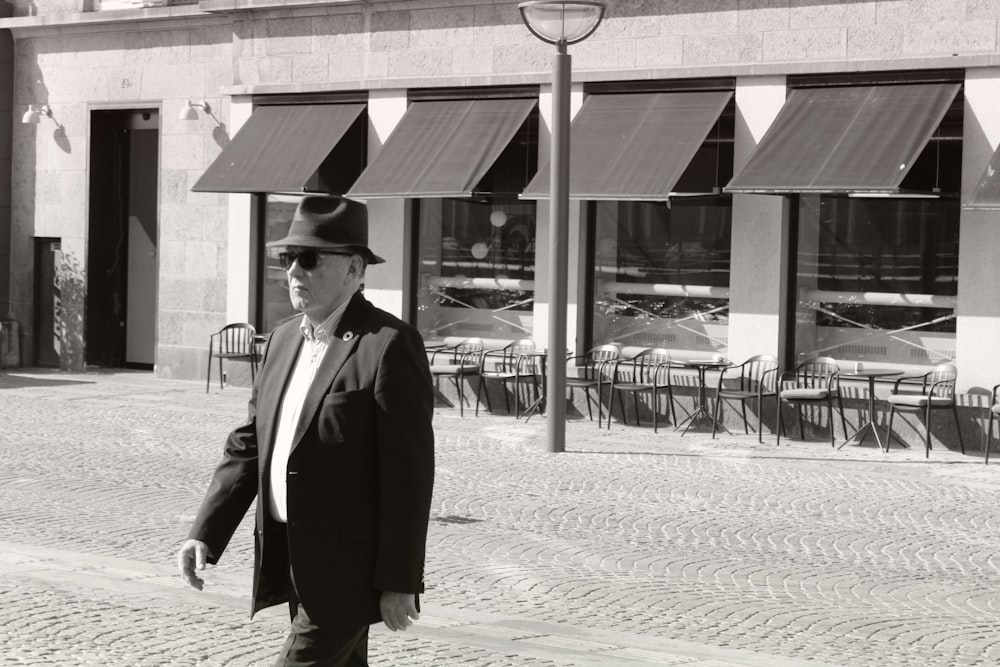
[813, 381]
[648, 371]
[458, 362]
[234, 342]
[509, 365]
[595, 371]
[754, 379]
[934, 390]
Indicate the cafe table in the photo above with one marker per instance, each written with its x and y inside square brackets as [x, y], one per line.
[870, 374]
[701, 406]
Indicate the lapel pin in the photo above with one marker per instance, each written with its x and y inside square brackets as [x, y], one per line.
[348, 335]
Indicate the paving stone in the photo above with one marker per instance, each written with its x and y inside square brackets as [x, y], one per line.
[631, 548]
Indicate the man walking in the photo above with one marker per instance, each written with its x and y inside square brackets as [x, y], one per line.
[338, 449]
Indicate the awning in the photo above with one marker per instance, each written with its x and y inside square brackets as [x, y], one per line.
[281, 149]
[442, 148]
[634, 146]
[987, 192]
[861, 139]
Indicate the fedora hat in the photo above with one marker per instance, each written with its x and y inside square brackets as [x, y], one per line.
[329, 223]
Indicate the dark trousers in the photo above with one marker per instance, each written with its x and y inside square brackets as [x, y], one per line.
[309, 645]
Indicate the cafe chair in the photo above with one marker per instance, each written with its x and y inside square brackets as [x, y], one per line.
[455, 363]
[812, 382]
[933, 390]
[994, 410]
[648, 371]
[510, 365]
[594, 371]
[754, 379]
[233, 342]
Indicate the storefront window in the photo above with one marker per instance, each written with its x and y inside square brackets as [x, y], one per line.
[477, 268]
[273, 283]
[662, 274]
[877, 279]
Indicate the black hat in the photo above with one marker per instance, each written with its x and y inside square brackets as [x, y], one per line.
[328, 223]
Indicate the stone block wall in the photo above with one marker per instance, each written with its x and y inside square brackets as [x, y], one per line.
[460, 42]
[142, 65]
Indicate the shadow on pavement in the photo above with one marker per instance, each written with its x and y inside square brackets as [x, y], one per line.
[8, 381]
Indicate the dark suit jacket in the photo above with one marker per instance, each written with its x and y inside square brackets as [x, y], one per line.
[360, 472]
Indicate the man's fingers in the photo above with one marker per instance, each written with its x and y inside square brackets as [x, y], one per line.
[398, 609]
[192, 554]
[200, 553]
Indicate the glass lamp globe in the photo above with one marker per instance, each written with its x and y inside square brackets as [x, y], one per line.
[561, 22]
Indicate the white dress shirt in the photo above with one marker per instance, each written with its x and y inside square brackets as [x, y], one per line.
[317, 340]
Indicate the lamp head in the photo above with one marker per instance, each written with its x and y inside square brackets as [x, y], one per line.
[188, 111]
[561, 21]
[34, 114]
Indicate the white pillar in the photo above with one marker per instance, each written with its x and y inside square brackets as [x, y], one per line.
[239, 249]
[386, 217]
[978, 309]
[575, 241]
[759, 240]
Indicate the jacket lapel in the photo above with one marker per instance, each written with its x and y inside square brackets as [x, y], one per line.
[282, 352]
[345, 339]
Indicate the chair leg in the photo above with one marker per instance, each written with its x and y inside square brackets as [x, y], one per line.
[779, 419]
[833, 429]
[673, 410]
[459, 386]
[611, 408]
[798, 411]
[743, 409]
[479, 392]
[656, 407]
[635, 408]
[843, 420]
[989, 436]
[221, 386]
[958, 428]
[927, 435]
[208, 378]
[888, 432]
[590, 413]
[760, 420]
[506, 400]
[715, 415]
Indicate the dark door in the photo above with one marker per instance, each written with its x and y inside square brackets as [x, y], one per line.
[48, 309]
[122, 262]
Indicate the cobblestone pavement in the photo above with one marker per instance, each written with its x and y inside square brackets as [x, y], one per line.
[631, 548]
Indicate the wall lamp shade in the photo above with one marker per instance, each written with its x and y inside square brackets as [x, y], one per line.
[561, 22]
[188, 111]
[34, 114]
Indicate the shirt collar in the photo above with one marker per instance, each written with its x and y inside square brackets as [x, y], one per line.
[323, 332]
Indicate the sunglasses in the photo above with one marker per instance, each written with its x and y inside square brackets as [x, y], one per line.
[307, 259]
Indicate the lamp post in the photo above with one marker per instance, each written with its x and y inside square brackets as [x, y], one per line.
[560, 23]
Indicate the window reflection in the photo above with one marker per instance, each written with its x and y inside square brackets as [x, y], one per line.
[477, 268]
[274, 304]
[662, 274]
[877, 279]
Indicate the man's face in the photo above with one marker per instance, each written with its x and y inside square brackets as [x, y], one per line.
[318, 291]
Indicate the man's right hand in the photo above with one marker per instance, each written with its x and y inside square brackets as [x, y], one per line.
[192, 556]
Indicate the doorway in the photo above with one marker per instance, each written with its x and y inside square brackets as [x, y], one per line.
[122, 257]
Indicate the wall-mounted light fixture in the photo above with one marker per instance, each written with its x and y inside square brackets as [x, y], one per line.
[189, 113]
[34, 114]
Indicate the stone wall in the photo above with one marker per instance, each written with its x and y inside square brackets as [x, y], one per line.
[142, 65]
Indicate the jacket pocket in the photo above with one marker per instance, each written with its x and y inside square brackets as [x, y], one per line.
[343, 414]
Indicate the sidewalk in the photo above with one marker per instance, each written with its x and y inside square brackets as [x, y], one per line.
[631, 548]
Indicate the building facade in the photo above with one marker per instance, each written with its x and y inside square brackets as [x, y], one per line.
[787, 177]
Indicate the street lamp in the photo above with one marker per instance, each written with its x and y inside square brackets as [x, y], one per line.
[560, 23]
